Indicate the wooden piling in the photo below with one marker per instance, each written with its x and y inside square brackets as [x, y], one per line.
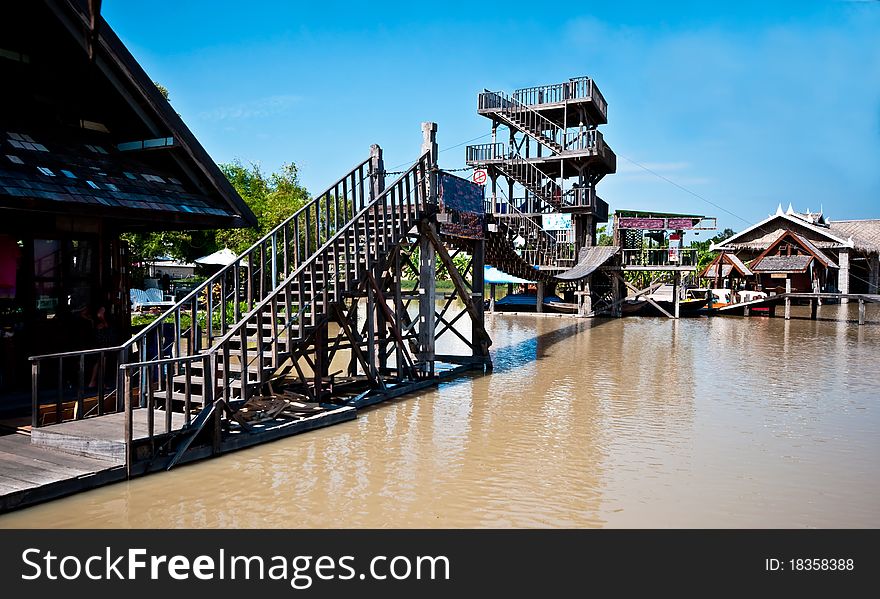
[814, 309]
[861, 311]
[539, 299]
[492, 298]
[787, 299]
[676, 291]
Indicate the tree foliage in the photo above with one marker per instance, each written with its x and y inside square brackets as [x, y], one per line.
[704, 255]
[272, 198]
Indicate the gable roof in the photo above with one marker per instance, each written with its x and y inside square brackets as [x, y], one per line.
[728, 243]
[68, 102]
[768, 262]
[782, 264]
[728, 263]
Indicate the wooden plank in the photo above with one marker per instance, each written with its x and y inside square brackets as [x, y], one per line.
[54, 469]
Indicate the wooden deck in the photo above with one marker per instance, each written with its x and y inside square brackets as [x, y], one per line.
[32, 474]
[76, 456]
[102, 436]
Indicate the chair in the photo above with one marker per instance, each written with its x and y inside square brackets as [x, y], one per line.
[150, 298]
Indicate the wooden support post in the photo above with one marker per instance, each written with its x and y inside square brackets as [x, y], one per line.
[539, 299]
[377, 173]
[616, 296]
[843, 274]
[861, 311]
[399, 310]
[427, 299]
[787, 299]
[355, 340]
[746, 310]
[492, 298]
[676, 291]
[814, 308]
[585, 301]
[478, 285]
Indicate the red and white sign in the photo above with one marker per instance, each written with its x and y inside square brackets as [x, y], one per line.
[480, 177]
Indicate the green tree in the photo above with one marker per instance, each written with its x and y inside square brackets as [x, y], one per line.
[271, 198]
[704, 255]
[602, 237]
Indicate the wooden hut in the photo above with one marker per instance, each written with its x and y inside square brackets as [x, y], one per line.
[800, 246]
[89, 149]
[796, 258]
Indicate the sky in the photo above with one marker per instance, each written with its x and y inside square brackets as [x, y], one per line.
[722, 109]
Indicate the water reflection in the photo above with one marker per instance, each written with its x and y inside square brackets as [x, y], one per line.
[636, 422]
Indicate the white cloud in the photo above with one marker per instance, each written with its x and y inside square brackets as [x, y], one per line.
[259, 107]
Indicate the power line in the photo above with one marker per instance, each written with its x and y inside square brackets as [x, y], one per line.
[683, 188]
[710, 202]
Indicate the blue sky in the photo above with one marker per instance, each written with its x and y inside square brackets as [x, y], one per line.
[745, 104]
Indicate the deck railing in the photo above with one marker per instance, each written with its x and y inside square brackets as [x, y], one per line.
[207, 311]
[659, 256]
[484, 153]
[586, 140]
[576, 88]
[243, 359]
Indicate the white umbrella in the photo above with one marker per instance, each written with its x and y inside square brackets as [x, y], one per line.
[222, 257]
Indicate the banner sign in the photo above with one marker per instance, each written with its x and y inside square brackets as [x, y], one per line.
[638, 222]
[462, 203]
[557, 222]
[679, 223]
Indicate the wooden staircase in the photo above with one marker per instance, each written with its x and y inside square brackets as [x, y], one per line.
[281, 326]
[525, 119]
[532, 178]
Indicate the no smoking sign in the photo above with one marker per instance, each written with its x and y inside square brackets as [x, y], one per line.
[480, 177]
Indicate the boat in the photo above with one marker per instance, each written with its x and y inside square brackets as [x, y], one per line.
[526, 302]
[632, 306]
[688, 306]
[555, 304]
[732, 302]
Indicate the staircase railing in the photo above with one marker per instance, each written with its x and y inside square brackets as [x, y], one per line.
[207, 311]
[532, 178]
[524, 119]
[252, 349]
[535, 245]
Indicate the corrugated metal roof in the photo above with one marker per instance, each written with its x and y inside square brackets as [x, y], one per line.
[589, 259]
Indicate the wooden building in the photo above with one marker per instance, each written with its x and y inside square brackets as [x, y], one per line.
[89, 149]
[793, 257]
[817, 254]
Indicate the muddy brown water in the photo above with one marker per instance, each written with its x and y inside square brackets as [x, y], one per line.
[636, 422]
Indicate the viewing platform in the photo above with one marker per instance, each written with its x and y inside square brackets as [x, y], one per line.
[558, 102]
[581, 149]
